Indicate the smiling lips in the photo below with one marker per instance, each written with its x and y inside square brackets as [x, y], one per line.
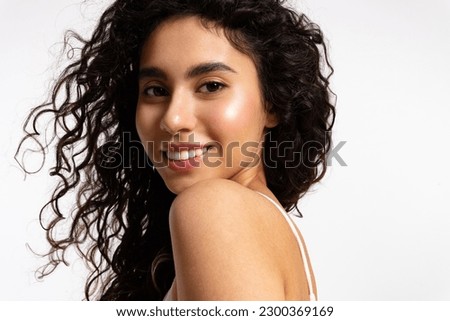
[186, 154]
[185, 151]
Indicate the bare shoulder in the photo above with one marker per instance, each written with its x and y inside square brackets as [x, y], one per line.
[217, 196]
[217, 204]
[221, 245]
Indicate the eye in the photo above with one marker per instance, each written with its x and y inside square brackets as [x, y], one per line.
[155, 91]
[211, 87]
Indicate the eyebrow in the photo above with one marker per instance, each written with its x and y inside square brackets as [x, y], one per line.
[197, 70]
[152, 72]
[205, 68]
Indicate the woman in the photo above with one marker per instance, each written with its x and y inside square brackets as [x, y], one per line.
[188, 128]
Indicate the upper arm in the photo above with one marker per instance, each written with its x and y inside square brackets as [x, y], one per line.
[220, 251]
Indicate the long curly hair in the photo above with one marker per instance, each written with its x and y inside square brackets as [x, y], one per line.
[119, 223]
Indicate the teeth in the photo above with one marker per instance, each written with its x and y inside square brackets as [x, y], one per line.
[186, 154]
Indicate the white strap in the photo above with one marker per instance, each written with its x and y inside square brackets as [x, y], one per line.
[312, 296]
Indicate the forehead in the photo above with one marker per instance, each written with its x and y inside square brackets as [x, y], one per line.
[186, 41]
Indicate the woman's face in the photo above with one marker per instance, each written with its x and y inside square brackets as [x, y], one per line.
[200, 114]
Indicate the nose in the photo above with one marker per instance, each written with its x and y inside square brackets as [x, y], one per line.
[179, 115]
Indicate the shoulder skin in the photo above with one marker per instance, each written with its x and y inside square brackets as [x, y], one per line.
[225, 244]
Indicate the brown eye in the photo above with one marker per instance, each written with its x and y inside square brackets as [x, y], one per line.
[155, 91]
[211, 87]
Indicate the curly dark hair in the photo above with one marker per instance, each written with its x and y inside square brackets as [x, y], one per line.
[120, 222]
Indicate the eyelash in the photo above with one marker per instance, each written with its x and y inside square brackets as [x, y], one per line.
[215, 83]
[219, 84]
[146, 91]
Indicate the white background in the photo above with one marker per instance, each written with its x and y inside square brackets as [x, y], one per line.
[377, 229]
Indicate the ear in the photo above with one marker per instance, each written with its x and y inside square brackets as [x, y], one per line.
[271, 120]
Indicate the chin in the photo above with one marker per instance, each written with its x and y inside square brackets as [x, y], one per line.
[176, 189]
[177, 185]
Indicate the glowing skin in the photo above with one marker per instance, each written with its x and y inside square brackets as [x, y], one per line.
[181, 102]
[196, 88]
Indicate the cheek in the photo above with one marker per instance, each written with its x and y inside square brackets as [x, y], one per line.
[238, 117]
[145, 122]
[146, 125]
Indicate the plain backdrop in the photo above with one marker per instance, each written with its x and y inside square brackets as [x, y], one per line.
[377, 229]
